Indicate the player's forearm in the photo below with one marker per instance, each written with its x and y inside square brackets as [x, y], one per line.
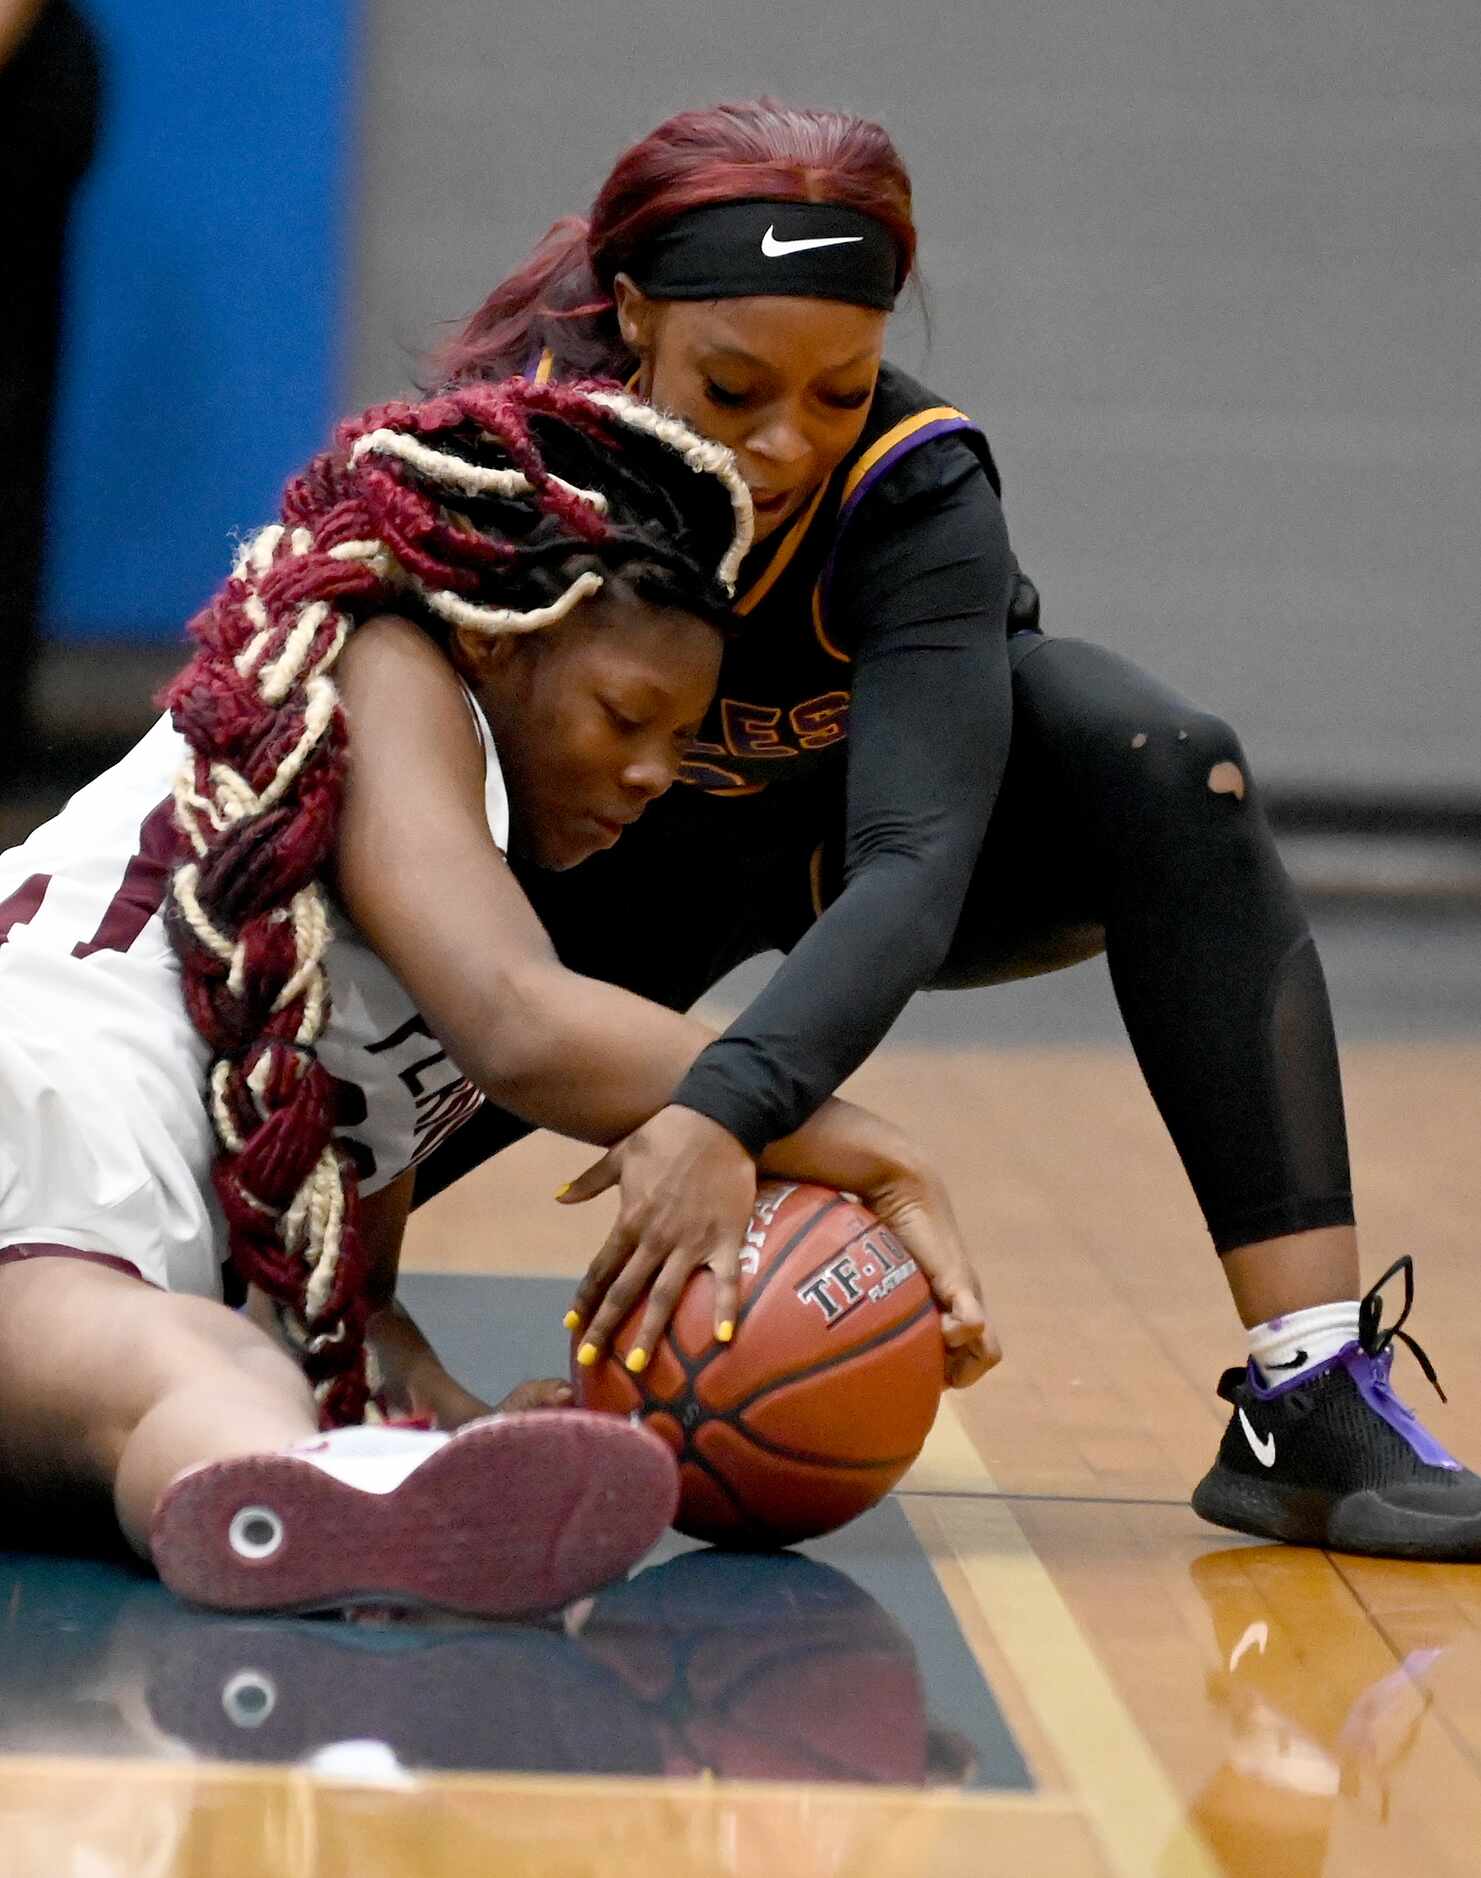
[845, 1146]
[592, 1061]
[411, 1374]
[383, 1218]
[577, 1056]
[831, 1001]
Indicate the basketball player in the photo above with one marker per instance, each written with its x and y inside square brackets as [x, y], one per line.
[532, 576]
[904, 782]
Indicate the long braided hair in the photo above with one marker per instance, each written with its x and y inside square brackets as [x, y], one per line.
[450, 512]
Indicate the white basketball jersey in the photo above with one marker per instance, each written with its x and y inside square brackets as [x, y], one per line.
[101, 1072]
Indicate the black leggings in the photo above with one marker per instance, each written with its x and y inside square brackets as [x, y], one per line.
[1127, 822]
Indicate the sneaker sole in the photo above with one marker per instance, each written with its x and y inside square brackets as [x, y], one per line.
[1360, 1522]
[513, 1516]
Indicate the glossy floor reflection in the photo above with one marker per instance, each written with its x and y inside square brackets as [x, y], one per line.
[1033, 1660]
[1334, 1734]
[775, 1667]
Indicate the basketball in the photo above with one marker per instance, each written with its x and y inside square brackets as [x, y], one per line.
[824, 1397]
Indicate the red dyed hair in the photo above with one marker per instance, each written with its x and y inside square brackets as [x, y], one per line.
[451, 510]
[562, 295]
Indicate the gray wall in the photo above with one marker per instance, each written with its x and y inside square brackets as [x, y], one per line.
[1208, 271]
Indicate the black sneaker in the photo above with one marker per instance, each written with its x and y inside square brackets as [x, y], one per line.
[1333, 1458]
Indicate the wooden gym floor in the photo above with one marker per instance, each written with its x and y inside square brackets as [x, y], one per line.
[1033, 1659]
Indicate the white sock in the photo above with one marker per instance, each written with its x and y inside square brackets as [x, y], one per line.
[376, 1460]
[1289, 1346]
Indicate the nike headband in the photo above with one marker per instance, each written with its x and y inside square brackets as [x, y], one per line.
[731, 250]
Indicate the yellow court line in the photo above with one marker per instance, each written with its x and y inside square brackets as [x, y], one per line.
[24, 1769]
[213, 1821]
[1138, 1817]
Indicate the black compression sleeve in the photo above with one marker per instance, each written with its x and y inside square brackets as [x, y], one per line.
[921, 595]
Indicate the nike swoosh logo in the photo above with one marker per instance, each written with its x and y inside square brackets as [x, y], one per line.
[772, 248]
[1264, 1450]
[1256, 1636]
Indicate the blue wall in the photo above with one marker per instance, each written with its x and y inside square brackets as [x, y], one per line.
[209, 255]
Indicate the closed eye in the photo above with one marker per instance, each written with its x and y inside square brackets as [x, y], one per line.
[726, 399]
[627, 725]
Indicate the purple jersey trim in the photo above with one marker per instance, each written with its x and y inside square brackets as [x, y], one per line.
[926, 434]
[942, 427]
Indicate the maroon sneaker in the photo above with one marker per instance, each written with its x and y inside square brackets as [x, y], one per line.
[511, 1515]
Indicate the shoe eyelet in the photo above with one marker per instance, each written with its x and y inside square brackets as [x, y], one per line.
[249, 1698]
[255, 1533]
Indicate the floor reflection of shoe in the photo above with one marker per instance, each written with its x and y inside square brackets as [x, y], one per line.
[1335, 1459]
[511, 1699]
[512, 1515]
[1310, 1724]
[767, 1666]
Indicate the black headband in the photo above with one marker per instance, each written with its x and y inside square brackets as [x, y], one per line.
[730, 250]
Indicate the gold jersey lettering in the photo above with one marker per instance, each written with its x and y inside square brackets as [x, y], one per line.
[700, 770]
[760, 732]
[821, 721]
[751, 729]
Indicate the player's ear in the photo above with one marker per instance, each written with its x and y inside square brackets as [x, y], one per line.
[635, 313]
[478, 656]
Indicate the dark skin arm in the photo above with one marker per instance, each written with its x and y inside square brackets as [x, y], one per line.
[413, 1377]
[16, 20]
[418, 872]
[866, 1157]
[413, 1380]
[920, 597]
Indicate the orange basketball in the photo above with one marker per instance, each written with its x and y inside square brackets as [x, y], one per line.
[826, 1394]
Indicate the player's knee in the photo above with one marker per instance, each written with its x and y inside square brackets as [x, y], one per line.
[197, 1344]
[1184, 765]
[231, 1345]
[1119, 741]
[261, 1364]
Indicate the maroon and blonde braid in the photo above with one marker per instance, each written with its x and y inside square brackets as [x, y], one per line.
[448, 512]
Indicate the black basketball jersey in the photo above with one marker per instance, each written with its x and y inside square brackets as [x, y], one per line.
[783, 697]
[782, 702]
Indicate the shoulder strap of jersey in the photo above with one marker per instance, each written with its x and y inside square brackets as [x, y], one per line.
[904, 416]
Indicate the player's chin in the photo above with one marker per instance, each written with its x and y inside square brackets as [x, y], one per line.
[574, 843]
[768, 521]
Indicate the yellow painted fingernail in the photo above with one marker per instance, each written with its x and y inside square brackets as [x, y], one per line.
[561, 1192]
[726, 1331]
[637, 1358]
[587, 1355]
[571, 1320]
